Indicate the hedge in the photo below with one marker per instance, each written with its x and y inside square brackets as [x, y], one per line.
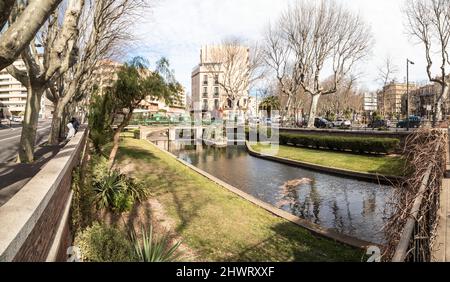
[354, 144]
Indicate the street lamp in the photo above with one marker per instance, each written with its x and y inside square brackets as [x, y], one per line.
[407, 92]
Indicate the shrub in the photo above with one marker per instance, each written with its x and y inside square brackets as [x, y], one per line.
[100, 243]
[153, 249]
[355, 144]
[117, 192]
[137, 133]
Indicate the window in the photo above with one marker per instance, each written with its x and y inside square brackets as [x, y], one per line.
[205, 91]
[205, 104]
[216, 104]
[216, 91]
[216, 79]
[205, 79]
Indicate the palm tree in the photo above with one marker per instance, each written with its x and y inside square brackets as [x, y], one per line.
[269, 104]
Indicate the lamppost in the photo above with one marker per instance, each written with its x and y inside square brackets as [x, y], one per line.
[407, 92]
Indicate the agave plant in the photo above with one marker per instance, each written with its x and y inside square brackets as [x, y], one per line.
[153, 249]
[118, 192]
[107, 189]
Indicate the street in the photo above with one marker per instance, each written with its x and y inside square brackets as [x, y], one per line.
[10, 138]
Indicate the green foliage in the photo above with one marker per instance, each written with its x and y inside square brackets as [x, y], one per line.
[153, 249]
[354, 144]
[114, 190]
[101, 243]
[269, 104]
[137, 133]
[100, 119]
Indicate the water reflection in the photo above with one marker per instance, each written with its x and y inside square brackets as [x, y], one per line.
[349, 206]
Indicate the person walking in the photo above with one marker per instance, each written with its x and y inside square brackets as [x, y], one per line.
[75, 123]
[71, 132]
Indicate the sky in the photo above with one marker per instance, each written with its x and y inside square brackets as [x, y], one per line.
[177, 29]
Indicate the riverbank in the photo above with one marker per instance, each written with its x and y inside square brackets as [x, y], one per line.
[381, 165]
[218, 225]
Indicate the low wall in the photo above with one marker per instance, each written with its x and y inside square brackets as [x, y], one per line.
[34, 224]
[369, 177]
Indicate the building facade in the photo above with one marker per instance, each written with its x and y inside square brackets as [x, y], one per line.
[206, 79]
[370, 101]
[391, 98]
[13, 95]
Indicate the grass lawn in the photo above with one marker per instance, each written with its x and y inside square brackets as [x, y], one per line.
[385, 165]
[217, 224]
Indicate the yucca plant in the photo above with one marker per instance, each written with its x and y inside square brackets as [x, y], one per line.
[107, 189]
[153, 249]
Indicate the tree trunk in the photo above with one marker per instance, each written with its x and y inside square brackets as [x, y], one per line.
[313, 110]
[116, 139]
[55, 131]
[30, 122]
[19, 34]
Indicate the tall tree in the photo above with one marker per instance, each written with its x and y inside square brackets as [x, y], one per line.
[237, 67]
[323, 34]
[429, 23]
[105, 30]
[59, 55]
[386, 73]
[136, 83]
[279, 57]
[21, 31]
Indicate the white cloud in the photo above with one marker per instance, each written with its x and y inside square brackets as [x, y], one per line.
[178, 28]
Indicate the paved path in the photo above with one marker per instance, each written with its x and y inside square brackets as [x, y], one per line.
[10, 138]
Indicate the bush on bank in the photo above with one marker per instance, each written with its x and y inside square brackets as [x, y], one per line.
[370, 145]
[101, 243]
[354, 144]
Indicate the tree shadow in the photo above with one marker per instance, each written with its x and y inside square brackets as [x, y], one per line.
[289, 242]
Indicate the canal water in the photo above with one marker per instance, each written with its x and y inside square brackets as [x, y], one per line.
[349, 206]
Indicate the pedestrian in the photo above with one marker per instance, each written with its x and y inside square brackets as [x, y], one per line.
[75, 123]
[71, 131]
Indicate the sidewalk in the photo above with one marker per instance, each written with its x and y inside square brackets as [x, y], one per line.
[13, 176]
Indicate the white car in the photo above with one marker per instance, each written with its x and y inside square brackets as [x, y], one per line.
[17, 119]
[342, 123]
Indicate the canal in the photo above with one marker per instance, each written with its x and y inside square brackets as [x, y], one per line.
[349, 206]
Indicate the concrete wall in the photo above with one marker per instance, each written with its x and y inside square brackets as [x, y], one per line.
[34, 224]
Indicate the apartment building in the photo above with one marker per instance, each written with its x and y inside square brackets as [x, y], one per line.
[13, 95]
[105, 74]
[205, 83]
[370, 101]
[390, 98]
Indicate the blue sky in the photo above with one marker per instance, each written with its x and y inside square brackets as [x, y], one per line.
[178, 28]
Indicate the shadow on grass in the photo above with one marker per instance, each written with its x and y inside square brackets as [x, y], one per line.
[292, 243]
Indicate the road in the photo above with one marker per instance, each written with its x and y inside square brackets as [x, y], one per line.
[10, 138]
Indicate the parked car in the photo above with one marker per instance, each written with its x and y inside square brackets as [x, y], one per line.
[17, 118]
[322, 123]
[414, 122]
[340, 122]
[381, 123]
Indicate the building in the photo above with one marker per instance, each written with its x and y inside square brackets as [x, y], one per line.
[13, 95]
[422, 100]
[370, 101]
[390, 99]
[105, 74]
[207, 92]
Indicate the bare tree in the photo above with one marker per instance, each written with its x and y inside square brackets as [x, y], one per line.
[24, 23]
[386, 74]
[428, 21]
[105, 31]
[324, 35]
[237, 67]
[279, 57]
[59, 52]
